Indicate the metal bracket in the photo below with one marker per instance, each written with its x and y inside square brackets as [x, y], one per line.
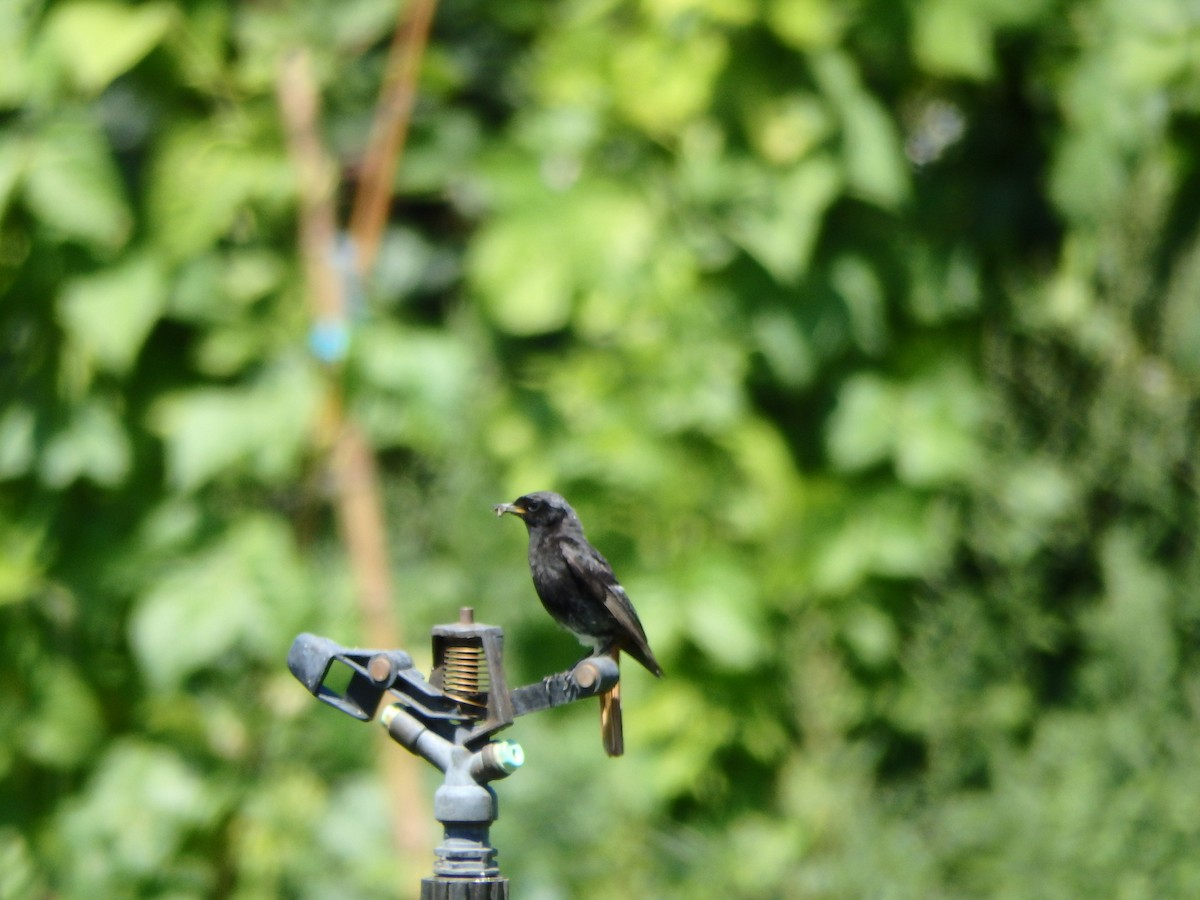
[315, 661]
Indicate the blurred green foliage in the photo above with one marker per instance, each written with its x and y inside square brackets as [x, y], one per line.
[863, 336]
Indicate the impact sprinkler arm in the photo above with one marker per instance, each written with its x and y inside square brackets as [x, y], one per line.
[495, 759]
[449, 720]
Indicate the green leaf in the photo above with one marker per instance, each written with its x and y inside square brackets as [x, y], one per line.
[855, 280]
[72, 185]
[97, 40]
[785, 347]
[953, 38]
[875, 163]
[927, 427]
[22, 559]
[236, 599]
[734, 12]
[92, 446]
[944, 286]
[20, 877]
[17, 445]
[862, 427]
[421, 381]
[807, 24]
[870, 634]
[1088, 176]
[890, 533]
[1181, 327]
[660, 82]
[1132, 626]
[683, 721]
[786, 130]
[723, 613]
[937, 435]
[63, 724]
[140, 805]
[872, 152]
[227, 351]
[204, 176]
[261, 430]
[530, 265]
[525, 288]
[249, 274]
[287, 808]
[110, 313]
[768, 493]
[17, 23]
[14, 153]
[779, 221]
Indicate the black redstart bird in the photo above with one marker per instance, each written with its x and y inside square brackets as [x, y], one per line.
[578, 588]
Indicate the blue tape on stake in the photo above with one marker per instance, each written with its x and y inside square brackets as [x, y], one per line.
[329, 340]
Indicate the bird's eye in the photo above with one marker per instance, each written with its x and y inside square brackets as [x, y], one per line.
[533, 505]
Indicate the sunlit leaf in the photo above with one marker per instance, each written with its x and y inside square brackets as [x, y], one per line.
[786, 348]
[660, 82]
[531, 265]
[1087, 176]
[419, 385]
[863, 427]
[871, 635]
[97, 40]
[71, 184]
[806, 24]
[93, 445]
[865, 301]
[937, 436]
[22, 563]
[13, 162]
[954, 39]
[928, 426]
[236, 599]
[63, 724]
[524, 296]
[17, 445]
[111, 312]
[202, 178]
[140, 804]
[260, 430]
[19, 871]
[780, 226]
[872, 154]
[787, 130]
[889, 533]
[722, 614]
[1133, 623]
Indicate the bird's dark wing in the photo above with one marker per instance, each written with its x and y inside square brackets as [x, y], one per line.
[595, 576]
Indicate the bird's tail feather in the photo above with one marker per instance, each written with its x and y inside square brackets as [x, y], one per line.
[611, 730]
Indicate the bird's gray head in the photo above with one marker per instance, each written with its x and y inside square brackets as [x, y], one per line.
[541, 509]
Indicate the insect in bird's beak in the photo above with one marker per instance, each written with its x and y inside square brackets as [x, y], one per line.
[501, 508]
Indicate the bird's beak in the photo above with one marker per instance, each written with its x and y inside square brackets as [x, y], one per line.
[502, 508]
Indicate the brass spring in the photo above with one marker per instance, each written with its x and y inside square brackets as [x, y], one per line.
[465, 674]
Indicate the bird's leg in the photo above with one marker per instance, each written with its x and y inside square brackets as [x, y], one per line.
[598, 649]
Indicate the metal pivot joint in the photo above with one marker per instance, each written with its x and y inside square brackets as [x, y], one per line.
[449, 720]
